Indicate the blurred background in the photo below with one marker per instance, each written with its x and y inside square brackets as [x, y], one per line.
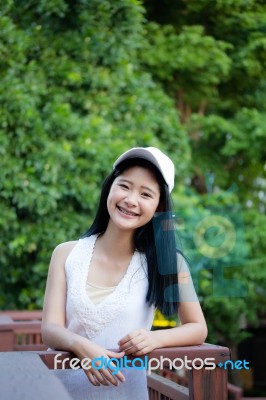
[82, 81]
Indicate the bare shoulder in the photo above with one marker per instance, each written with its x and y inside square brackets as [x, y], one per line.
[63, 249]
[182, 266]
[66, 246]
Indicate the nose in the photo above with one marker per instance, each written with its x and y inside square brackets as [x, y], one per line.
[131, 199]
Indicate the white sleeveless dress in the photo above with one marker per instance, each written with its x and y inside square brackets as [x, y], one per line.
[105, 323]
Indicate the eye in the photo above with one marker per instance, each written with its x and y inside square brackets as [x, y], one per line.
[147, 195]
[122, 185]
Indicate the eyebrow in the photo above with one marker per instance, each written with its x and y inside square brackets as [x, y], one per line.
[144, 187]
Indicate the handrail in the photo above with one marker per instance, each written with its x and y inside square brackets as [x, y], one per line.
[22, 315]
[203, 351]
[203, 384]
[20, 335]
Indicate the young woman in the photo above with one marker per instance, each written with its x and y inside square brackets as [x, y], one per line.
[103, 289]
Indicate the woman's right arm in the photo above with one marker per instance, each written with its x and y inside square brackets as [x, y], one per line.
[54, 332]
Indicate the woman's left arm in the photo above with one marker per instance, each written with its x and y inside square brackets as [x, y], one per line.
[193, 328]
[192, 331]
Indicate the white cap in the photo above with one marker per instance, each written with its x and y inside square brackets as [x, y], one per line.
[156, 157]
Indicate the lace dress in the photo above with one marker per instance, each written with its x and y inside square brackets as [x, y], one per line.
[105, 323]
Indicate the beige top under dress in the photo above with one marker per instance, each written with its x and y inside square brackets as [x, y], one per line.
[98, 293]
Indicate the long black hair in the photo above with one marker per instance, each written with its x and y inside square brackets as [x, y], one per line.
[156, 239]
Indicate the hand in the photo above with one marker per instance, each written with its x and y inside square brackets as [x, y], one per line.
[102, 375]
[138, 343]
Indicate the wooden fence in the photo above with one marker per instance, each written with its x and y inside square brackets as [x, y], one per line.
[25, 374]
[21, 331]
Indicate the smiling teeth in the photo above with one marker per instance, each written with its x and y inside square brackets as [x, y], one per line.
[127, 212]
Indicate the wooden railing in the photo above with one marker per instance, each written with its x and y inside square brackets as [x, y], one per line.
[21, 331]
[25, 374]
[234, 392]
[17, 315]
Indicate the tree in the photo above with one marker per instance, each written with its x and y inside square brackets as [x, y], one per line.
[209, 57]
[73, 97]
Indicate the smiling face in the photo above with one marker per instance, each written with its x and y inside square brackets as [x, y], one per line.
[133, 198]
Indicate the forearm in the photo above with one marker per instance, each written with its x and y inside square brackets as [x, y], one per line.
[189, 334]
[60, 338]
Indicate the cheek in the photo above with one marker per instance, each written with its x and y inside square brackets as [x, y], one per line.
[109, 202]
[153, 208]
[112, 198]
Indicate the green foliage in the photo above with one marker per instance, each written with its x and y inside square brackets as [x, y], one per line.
[73, 97]
[189, 63]
[209, 56]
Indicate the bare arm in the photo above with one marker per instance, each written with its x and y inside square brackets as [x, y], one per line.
[54, 332]
[193, 328]
[192, 331]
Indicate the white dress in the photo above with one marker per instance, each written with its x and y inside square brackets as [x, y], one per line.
[105, 323]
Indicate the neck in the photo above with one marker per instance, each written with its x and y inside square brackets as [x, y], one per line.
[117, 242]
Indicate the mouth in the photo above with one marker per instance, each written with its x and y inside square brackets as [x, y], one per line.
[126, 212]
